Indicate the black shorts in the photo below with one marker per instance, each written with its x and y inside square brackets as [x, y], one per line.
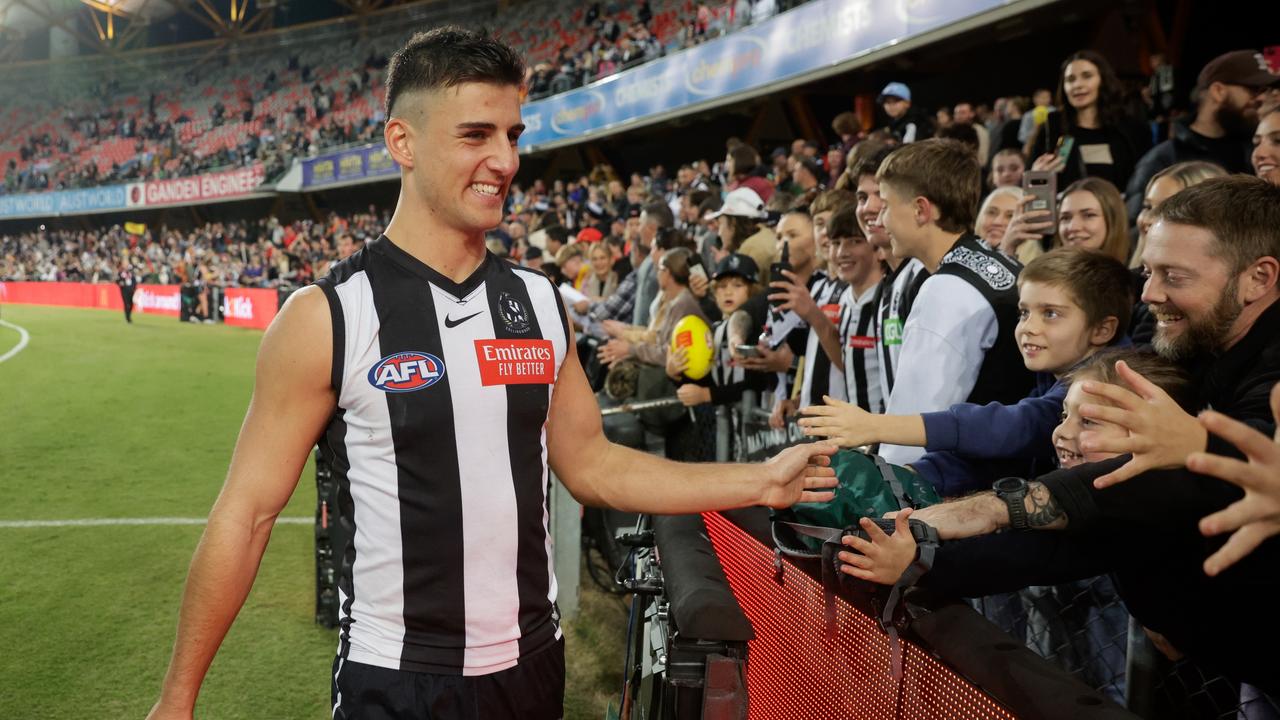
[532, 690]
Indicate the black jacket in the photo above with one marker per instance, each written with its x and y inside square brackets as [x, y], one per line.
[1145, 532]
[1186, 144]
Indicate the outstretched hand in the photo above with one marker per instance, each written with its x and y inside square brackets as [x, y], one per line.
[800, 474]
[844, 424]
[885, 557]
[1256, 516]
[1160, 433]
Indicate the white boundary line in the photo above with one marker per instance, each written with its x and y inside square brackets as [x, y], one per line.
[24, 337]
[100, 522]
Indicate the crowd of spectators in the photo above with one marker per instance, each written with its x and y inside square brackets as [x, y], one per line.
[174, 124]
[903, 280]
[263, 253]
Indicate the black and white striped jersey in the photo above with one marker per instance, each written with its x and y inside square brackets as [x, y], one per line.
[439, 448]
[821, 376]
[861, 348]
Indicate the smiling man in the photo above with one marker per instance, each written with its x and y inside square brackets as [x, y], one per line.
[441, 384]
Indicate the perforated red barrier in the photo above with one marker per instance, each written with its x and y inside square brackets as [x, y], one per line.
[794, 672]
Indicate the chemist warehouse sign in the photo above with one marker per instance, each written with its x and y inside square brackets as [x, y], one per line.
[813, 36]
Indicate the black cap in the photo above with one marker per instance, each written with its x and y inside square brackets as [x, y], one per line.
[738, 264]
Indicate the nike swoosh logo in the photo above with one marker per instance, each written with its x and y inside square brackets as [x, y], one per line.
[451, 323]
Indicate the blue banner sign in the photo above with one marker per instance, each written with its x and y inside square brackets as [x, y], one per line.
[360, 163]
[811, 37]
[65, 202]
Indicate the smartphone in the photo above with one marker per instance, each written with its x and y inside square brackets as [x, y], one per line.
[1043, 186]
[747, 351]
[699, 271]
[1066, 144]
[775, 271]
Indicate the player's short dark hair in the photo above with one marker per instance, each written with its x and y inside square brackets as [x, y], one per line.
[448, 56]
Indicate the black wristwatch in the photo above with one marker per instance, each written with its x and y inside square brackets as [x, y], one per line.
[1013, 491]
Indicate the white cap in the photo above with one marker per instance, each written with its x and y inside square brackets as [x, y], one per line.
[743, 202]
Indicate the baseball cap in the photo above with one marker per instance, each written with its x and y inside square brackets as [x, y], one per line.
[743, 202]
[894, 89]
[1238, 67]
[590, 235]
[737, 264]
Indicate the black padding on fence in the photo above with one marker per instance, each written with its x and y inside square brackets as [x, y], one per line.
[702, 604]
[1027, 684]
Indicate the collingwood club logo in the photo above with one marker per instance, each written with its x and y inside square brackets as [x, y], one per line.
[513, 314]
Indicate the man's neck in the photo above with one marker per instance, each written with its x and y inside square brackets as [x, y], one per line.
[939, 244]
[892, 261]
[1206, 125]
[448, 251]
[1248, 318]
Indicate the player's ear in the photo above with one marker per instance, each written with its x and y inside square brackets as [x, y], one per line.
[398, 134]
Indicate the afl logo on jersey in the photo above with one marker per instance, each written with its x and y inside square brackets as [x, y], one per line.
[406, 372]
[513, 314]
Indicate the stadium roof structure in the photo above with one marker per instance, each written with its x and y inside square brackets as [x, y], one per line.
[111, 27]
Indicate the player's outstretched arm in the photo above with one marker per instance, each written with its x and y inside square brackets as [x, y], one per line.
[599, 472]
[291, 403]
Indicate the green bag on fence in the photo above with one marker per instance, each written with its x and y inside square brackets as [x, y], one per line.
[869, 487]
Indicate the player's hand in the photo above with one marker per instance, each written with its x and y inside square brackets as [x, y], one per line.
[691, 394]
[885, 557]
[1160, 434]
[794, 295]
[677, 362]
[770, 360]
[844, 424]
[1256, 516]
[613, 351]
[799, 474]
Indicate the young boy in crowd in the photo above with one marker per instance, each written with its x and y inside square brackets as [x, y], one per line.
[849, 343]
[738, 295]
[1072, 303]
[902, 277]
[958, 344]
[883, 558]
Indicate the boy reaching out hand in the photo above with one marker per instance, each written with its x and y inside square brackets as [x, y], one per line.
[1072, 303]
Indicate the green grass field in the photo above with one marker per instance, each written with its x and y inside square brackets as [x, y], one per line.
[99, 419]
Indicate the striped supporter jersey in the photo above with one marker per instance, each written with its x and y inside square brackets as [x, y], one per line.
[438, 445]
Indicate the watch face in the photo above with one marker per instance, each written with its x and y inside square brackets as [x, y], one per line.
[1009, 484]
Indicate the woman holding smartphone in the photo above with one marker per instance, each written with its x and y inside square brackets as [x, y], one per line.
[1096, 133]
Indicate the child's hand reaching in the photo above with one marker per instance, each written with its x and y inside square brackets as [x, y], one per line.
[844, 424]
[885, 557]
